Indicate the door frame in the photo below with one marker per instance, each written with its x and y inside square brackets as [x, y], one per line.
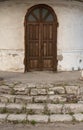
[26, 62]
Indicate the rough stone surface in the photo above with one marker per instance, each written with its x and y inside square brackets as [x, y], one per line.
[23, 99]
[21, 89]
[3, 117]
[57, 99]
[40, 99]
[54, 108]
[4, 89]
[58, 90]
[14, 107]
[2, 105]
[38, 92]
[38, 118]
[72, 89]
[35, 108]
[60, 118]
[78, 117]
[7, 98]
[17, 117]
[73, 108]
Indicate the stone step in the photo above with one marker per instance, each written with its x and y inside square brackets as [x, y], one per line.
[33, 119]
[24, 99]
[44, 109]
[39, 89]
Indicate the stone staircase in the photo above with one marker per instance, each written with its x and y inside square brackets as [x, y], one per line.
[40, 102]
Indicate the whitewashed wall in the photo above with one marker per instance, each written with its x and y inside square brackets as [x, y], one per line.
[70, 33]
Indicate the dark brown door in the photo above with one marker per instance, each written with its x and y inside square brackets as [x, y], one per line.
[41, 38]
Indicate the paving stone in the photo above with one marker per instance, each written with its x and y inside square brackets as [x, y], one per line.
[78, 117]
[17, 117]
[56, 99]
[2, 105]
[54, 108]
[35, 108]
[58, 90]
[3, 99]
[5, 89]
[7, 98]
[38, 92]
[3, 117]
[21, 89]
[38, 118]
[81, 90]
[72, 98]
[40, 99]
[31, 85]
[14, 107]
[73, 108]
[60, 118]
[23, 99]
[50, 92]
[72, 89]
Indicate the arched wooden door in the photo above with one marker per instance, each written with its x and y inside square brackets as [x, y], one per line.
[40, 38]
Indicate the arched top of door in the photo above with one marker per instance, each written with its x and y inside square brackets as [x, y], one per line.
[41, 13]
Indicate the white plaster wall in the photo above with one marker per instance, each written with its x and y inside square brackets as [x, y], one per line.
[70, 33]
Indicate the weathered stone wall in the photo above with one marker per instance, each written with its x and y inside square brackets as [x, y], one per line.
[69, 40]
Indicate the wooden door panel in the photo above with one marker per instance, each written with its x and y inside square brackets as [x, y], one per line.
[47, 42]
[33, 45]
[34, 64]
[47, 63]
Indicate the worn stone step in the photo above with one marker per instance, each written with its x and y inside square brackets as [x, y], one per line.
[43, 109]
[24, 118]
[7, 98]
[39, 89]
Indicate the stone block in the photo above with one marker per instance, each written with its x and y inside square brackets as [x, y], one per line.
[50, 92]
[78, 117]
[21, 89]
[72, 90]
[7, 98]
[55, 108]
[73, 108]
[14, 107]
[58, 90]
[38, 118]
[2, 106]
[56, 99]
[31, 85]
[38, 92]
[5, 89]
[3, 117]
[23, 99]
[17, 117]
[60, 118]
[40, 99]
[35, 108]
